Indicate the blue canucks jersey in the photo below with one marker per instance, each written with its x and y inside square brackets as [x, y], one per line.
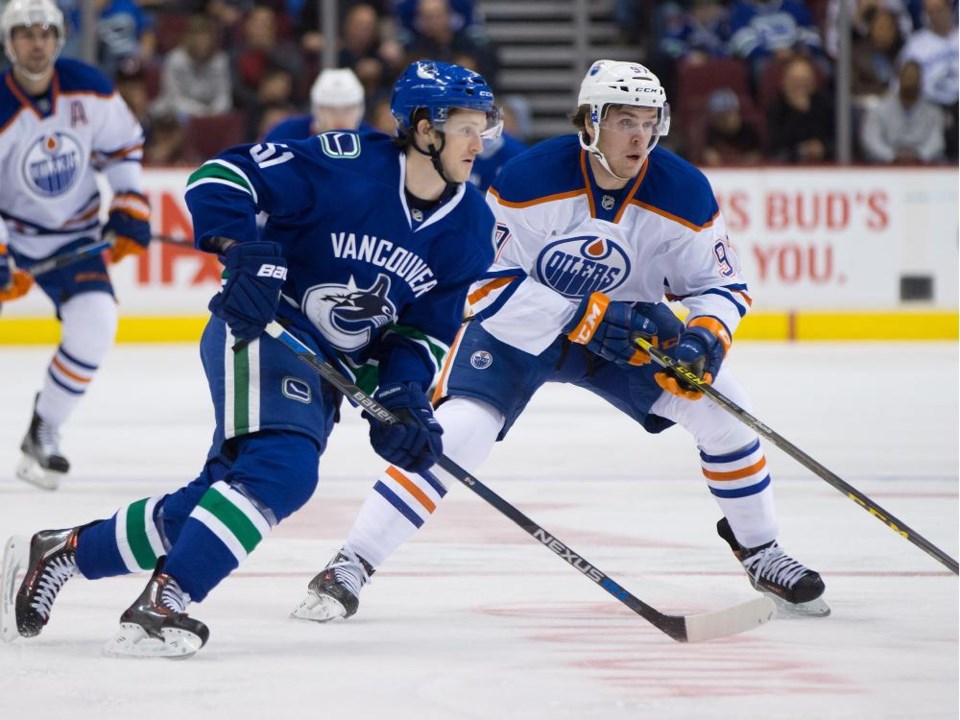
[373, 280]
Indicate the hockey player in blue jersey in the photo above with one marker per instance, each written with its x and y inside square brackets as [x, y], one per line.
[62, 123]
[593, 230]
[368, 251]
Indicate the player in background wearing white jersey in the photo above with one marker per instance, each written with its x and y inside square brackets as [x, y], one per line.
[336, 103]
[593, 230]
[61, 122]
[369, 248]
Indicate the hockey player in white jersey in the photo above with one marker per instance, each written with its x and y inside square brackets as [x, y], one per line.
[594, 229]
[61, 122]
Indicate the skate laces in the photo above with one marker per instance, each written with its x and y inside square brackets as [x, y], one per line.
[349, 571]
[173, 597]
[48, 438]
[774, 565]
[57, 571]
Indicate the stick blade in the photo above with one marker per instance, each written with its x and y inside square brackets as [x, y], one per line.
[730, 621]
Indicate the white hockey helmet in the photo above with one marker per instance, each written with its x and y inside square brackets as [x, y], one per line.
[336, 88]
[612, 82]
[22, 13]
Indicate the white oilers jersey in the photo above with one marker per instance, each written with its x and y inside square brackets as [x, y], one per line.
[560, 238]
[50, 149]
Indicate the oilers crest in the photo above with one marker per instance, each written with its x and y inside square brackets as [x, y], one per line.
[51, 165]
[578, 266]
[347, 315]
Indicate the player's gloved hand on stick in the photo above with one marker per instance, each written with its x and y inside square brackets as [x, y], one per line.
[255, 272]
[128, 226]
[14, 283]
[609, 329]
[701, 350]
[414, 443]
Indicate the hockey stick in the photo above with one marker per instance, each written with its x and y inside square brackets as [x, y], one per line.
[68, 258]
[682, 628]
[898, 526]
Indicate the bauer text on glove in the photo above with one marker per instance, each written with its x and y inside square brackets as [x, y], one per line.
[414, 442]
[254, 273]
[609, 329]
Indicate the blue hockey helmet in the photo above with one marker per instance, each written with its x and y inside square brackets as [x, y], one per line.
[439, 87]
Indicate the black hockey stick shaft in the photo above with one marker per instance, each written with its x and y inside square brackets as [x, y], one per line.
[887, 518]
[672, 625]
[68, 258]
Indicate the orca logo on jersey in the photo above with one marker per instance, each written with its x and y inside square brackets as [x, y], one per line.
[578, 266]
[52, 164]
[347, 315]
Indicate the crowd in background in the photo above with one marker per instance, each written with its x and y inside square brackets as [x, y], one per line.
[749, 81]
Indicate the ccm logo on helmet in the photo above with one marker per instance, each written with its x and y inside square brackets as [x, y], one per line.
[272, 271]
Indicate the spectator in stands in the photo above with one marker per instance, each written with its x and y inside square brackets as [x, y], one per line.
[436, 39]
[166, 143]
[862, 13]
[131, 84]
[462, 16]
[312, 36]
[773, 30]
[195, 79]
[123, 30]
[381, 118]
[800, 123]
[904, 128]
[874, 56]
[275, 90]
[259, 53]
[337, 103]
[730, 140]
[374, 60]
[934, 47]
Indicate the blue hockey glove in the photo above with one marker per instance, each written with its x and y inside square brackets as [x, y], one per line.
[128, 225]
[414, 443]
[701, 350]
[255, 272]
[609, 329]
[14, 283]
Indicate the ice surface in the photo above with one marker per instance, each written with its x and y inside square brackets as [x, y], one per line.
[473, 620]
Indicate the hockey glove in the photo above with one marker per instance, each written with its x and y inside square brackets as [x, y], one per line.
[701, 350]
[254, 273]
[609, 329]
[414, 443]
[14, 283]
[128, 226]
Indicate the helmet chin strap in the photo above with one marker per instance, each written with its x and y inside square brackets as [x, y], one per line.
[594, 150]
[434, 154]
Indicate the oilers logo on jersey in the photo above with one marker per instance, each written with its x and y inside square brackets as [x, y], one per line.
[52, 164]
[348, 315]
[578, 266]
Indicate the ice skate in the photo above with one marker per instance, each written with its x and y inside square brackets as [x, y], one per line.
[334, 593]
[796, 590]
[42, 463]
[156, 624]
[35, 572]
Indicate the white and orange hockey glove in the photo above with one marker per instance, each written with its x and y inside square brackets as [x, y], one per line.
[609, 328]
[14, 283]
[701, 350]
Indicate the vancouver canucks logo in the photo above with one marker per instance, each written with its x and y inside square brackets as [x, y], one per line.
[348, 315]
[52, 164]
[578, 266]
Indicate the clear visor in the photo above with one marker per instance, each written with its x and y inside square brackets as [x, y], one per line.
[659, 125]
[473, 124]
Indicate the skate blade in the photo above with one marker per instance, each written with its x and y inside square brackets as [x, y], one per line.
[319, 608]
[132, 641]
[793, 611]
[30, 471]
[16, 554]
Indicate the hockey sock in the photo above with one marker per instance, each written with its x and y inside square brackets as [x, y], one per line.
[401, 502]
[126, 543]
[89, 325]
[740, 483]
[223, 528]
